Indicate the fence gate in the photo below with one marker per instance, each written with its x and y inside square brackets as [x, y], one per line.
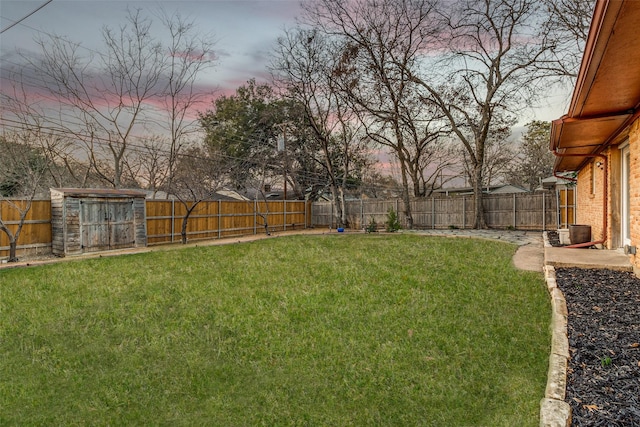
[106, 224]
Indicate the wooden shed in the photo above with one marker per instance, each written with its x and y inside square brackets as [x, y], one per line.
[90, 220]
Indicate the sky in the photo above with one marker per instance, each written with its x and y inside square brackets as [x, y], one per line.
[244, 31]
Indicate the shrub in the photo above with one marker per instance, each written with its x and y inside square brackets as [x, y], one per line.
[392, 224]
[372, 227]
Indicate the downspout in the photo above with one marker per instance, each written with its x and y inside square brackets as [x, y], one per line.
[605, 195]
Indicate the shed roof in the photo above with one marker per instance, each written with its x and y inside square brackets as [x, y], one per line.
[99, 192]
[606, 96]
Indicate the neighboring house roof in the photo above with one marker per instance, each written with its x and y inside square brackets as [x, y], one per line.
[606, 96]
[226, 194]
[508, 189]
[255, 194]
[552, 181]
[492, 189]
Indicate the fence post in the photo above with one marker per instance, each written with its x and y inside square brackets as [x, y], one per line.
[331, 216]
[362, 213]
[433, 213]
[544, 213]
[173, 217]
[255, 216]
[219, 219]
[284, 215]
[514, 210]
[464, 212]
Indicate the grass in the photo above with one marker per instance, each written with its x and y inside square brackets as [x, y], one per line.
[306, 330]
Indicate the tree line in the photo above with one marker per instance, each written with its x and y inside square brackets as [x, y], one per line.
[436, 85]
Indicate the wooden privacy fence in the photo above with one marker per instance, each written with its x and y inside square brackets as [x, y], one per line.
[218, 219]
[209, 220]
[35, 236]
[521, 211]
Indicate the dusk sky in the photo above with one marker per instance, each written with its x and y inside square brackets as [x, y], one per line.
[244, 30]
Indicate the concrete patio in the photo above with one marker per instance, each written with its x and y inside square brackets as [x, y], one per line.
[586, 258]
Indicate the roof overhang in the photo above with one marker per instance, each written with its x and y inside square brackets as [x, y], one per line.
[606, 97]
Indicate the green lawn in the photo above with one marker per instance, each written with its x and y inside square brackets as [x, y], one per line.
[331, 330]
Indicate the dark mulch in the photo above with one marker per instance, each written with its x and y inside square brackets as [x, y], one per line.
[603, 378]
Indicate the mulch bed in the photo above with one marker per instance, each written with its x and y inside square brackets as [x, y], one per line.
[603, 378]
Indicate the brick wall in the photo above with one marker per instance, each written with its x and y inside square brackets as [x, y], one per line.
[591, 197]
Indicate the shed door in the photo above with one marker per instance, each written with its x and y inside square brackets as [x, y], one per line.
[107, 224]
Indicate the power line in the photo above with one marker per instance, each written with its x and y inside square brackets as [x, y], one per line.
[140, 149]
[25, 17]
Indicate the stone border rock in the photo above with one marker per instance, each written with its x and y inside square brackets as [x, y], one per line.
[554, 411]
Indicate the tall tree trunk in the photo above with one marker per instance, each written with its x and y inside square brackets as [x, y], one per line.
[338, 201]
[265, 223]
[13, 246]
[406, 198]
[343, 208]
[480, 221]
[185, 221]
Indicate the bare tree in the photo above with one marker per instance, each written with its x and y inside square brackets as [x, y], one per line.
[190, 53]
[480, 63]
[197, 177]
[149, 162]
[569, 22]
[500, 158]
[22, 174]
[432, 168]
[380, 42]
[304, 68]
[22, 113]
[107, 97]
[103, 95]
[488, 73]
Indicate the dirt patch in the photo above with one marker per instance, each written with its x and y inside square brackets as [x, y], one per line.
[603, 377]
